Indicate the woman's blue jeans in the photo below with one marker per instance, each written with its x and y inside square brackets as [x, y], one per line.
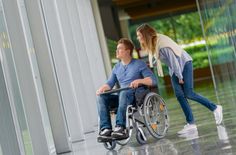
[185, 91]
[107, 101]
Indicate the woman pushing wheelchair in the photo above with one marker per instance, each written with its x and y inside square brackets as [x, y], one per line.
[162, 48]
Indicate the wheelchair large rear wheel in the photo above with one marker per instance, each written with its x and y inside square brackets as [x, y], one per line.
[155, 115]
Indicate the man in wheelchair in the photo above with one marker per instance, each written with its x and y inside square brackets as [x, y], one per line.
[128, 72]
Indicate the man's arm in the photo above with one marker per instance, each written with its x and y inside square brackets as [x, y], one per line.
[149, 78]
[145, 81]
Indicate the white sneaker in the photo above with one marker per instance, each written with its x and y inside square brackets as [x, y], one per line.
[187, 128]
[193, 134]
[218, 114]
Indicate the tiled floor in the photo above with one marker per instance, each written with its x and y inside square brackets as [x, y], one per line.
[209, 140]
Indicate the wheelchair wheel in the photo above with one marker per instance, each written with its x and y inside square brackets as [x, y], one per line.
[155, 115]
[140, 138]
[110, 145]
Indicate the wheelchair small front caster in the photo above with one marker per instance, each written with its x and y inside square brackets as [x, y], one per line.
[140, 138]
[110, 145]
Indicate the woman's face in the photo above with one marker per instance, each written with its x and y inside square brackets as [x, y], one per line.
[140, 37]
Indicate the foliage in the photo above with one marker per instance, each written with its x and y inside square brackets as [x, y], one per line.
[183, 28]
[112, 48]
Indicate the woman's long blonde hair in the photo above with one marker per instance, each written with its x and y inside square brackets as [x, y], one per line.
[150, 38]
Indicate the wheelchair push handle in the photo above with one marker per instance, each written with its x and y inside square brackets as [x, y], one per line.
[122, 89]
[115, 90]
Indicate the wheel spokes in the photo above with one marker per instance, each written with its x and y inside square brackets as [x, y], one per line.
[156, 112]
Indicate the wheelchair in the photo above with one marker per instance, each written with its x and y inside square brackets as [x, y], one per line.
[151, 115]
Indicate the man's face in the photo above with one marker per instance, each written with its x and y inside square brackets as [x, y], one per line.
[122, 52]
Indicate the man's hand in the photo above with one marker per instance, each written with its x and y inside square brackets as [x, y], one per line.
[181, 81]
[102, 89]
[147, 81]
[135, 83]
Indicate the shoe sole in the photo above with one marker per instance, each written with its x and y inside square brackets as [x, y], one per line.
[189, 137]
[188, 131]
[120, 137]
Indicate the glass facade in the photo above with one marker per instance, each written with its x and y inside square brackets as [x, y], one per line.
[14, 94]
[35, 69]
[8, 138]
[219, 27]
[46, 59]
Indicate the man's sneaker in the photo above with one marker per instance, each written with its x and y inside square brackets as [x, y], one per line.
[218, 114]
[188, 128]
[119, 133]
[104, 135]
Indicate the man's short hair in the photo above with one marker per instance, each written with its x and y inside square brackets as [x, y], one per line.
[128, 44]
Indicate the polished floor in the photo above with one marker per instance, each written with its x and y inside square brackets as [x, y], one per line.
[209, 140]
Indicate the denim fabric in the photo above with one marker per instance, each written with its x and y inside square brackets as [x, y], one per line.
[185, 91]
[121, 100]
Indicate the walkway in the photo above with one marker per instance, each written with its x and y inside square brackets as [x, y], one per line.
[210, 139]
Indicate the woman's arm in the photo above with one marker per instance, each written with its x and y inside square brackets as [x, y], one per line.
[172, 62]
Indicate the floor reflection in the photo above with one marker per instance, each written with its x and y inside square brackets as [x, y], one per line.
[192, 138]
[162, 146]
[209, 139]
[223, 142]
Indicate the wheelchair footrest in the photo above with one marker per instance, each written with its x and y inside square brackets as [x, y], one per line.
[121, 138]
[104, 139]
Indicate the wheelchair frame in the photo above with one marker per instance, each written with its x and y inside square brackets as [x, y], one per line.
[153, 114]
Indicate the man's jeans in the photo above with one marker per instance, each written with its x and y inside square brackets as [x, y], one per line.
[105, 102]
[185, 91]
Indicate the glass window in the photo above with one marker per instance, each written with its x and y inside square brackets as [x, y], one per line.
[13, 89]
[218, 20]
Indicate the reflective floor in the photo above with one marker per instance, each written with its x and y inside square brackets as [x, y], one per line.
[210, 139]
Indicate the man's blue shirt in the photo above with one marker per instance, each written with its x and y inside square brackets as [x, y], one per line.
[125, 74]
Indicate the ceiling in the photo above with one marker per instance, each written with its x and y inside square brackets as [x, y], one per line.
[142, 9]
